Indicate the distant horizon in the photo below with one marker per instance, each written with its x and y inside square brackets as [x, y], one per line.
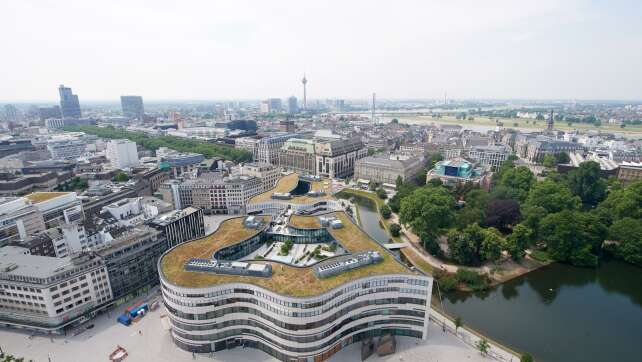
[379, 100]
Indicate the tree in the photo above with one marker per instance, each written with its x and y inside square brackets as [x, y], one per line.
[461, 248]
[477, 198]
[586, 183]
[372, 186]
[483, 346]
[621, 203]
[399, 183]
[563, 157]
[468, 215]
[121, 177]
[573, 237]
[394, 121]
[517, 242]
[435, 182]
[381, 193]
[458, 323]
[519, 180]
[385, 212]
[428, 210]
[502, 213]
[525, 357]
[549, 161]
[473, 244]
[552, 196]
[628, 232]
[395, 230]
[491, 247]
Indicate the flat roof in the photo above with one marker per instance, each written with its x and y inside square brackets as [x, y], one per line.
[14, 261]
[285, 279]
[37, 197]
[287, 184]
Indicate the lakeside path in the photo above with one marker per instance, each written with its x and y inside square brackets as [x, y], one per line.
[501, 272]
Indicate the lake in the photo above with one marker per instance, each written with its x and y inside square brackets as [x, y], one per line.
[557, 313]
[562, 313]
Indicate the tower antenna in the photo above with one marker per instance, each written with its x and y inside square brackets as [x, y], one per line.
[305, 96]
[374, 105]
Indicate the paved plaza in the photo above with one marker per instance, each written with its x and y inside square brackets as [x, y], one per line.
[153, 344]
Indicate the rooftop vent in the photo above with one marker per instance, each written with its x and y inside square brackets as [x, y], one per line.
[230, 268]
[344, 264]
[281, 196]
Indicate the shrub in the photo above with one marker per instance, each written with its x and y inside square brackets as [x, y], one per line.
[286, 247]
[525, 357]
[447, 283]
[381, 193]
[395, 230]
[472, 279]
[385, 212]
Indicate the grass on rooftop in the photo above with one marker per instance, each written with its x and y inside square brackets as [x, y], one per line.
[37, 197]
[305, 222]
[285, 184]
[286, 280]
[229, 232]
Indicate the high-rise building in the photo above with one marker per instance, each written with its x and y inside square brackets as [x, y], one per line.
[271, 105]
[293, 105]
[122, 154]
[10, 113]
[49, 112]
[69, 104]
[132, 106]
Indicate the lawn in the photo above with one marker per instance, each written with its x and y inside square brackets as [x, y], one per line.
[286, 280]
[305, 222]
[285, 184]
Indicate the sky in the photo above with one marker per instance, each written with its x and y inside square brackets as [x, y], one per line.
[237, 49]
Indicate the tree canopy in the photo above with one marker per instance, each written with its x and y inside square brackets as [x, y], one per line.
[573, 236]
[428, 210]
[208, 150]
[586, 183]
[552, 196]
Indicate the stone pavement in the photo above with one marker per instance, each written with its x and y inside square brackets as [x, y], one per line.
[154, 344]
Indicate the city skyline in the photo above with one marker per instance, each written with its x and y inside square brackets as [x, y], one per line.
[496, 50]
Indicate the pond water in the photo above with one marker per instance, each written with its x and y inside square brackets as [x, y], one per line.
[557, 313]
[562, 313]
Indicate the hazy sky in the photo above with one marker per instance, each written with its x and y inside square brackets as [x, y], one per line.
[231, 49]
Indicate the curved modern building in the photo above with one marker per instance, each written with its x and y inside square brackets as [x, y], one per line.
[298, 287]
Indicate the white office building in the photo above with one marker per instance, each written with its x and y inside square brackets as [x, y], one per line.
[47, 293]
[122, 154]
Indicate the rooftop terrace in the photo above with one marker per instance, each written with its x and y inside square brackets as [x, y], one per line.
[286, 280]
[287, 184]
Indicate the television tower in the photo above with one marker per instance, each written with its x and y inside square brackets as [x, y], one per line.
[374, 98]
[305, 100]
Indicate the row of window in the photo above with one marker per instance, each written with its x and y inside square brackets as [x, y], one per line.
[286, 312]
[299, 337]
[306, 304]
[17, 287]
[291, 326]
[289, 348]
